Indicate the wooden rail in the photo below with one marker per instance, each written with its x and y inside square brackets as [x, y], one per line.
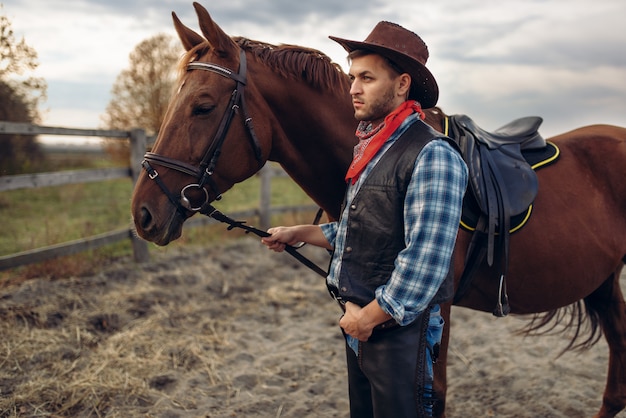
[138, 144]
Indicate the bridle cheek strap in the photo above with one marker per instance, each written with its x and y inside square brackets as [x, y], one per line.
[237, 100]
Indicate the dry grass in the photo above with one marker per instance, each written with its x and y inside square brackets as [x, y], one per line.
[231, 330]
[99, 363]
[135, 340]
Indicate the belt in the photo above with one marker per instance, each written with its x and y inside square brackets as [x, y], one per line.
[387, 325]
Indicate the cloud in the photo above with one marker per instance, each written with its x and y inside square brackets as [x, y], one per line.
[493, 60]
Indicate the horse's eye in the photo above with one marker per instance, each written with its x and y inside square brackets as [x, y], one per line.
[202, 110]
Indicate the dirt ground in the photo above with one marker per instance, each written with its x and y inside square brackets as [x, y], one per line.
[238, 331]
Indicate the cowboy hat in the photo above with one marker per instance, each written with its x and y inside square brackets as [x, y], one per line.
[407, 51]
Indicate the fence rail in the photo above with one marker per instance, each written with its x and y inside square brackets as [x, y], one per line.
[138, 145]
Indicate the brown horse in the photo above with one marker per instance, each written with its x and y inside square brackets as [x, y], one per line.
[242, 102]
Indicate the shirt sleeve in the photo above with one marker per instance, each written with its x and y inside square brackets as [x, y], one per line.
[330, 232]
[432, 212]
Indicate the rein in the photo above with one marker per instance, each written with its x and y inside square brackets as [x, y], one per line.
[211, 211]
[204, 172]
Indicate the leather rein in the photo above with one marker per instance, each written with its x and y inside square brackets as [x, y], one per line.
[204, 172]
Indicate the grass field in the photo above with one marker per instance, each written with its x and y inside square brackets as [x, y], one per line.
[33, 218]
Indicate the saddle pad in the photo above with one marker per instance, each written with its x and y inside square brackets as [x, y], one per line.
[537, 158]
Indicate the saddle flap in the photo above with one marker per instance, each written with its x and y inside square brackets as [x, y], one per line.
[511, 171]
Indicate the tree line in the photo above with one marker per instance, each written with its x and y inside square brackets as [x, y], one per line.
[20, 96]
[139, 96]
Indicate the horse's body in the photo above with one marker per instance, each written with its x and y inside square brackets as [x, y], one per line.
[572, 249]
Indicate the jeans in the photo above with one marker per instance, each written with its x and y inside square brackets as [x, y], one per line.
[433, 340]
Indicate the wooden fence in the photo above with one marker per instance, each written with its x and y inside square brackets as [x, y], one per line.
[138, 145]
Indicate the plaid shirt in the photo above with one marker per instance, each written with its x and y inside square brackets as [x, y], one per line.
[432, 212]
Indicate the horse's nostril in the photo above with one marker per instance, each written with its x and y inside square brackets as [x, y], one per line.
[145, 219]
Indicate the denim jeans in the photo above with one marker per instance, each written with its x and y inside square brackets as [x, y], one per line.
[433, 340]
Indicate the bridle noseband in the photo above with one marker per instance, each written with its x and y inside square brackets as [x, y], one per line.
[204, 172]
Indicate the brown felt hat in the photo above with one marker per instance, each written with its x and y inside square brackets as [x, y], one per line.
[407, 51]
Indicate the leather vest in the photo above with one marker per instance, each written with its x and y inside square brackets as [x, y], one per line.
[375, 232]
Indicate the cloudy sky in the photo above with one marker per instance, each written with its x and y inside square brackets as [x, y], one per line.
[494, 60]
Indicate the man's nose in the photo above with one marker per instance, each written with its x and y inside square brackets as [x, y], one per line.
[355, 88]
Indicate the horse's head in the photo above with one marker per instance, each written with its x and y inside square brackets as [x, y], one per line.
[208, 141]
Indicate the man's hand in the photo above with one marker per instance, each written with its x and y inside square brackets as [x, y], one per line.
[291, 235]
[353, 323]
[279, 238]
[360, 322]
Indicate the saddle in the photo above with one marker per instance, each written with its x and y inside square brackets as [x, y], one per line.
[502, 184]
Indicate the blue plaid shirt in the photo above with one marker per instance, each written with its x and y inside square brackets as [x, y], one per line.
[432, 211]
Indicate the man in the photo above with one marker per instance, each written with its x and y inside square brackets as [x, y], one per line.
[393, 244]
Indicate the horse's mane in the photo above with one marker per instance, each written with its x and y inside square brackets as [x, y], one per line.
[293, 61]
[290, 61]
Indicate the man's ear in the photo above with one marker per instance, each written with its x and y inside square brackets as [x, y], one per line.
[404, 85]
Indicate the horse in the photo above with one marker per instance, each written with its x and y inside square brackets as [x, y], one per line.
[241, 103]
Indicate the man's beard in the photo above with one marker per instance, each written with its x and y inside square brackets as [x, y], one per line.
[379, 108]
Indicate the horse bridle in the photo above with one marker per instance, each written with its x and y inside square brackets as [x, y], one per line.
[204, 172]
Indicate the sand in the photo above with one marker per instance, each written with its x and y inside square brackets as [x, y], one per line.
[238, 331]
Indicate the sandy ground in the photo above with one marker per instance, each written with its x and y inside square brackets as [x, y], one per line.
[238, 331]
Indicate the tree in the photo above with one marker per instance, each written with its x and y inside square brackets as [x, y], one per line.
[18, 153]
[20, 96]
[141, 93]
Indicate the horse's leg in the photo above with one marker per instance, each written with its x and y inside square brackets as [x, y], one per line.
[439, 368]
[608, 302]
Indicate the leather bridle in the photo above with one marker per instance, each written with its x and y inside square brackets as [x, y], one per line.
[204, 172]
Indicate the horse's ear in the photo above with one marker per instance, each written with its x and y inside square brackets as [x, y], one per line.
[219, 40]
[188, 37]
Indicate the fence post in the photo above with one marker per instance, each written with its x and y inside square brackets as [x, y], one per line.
[137, 150]
[265, 202]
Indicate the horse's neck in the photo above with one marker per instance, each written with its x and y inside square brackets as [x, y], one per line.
[315, 137]
[315, 140]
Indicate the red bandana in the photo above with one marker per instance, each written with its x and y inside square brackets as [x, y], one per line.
[371, 140]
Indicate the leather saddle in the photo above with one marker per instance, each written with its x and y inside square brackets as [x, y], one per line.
[502, 184]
